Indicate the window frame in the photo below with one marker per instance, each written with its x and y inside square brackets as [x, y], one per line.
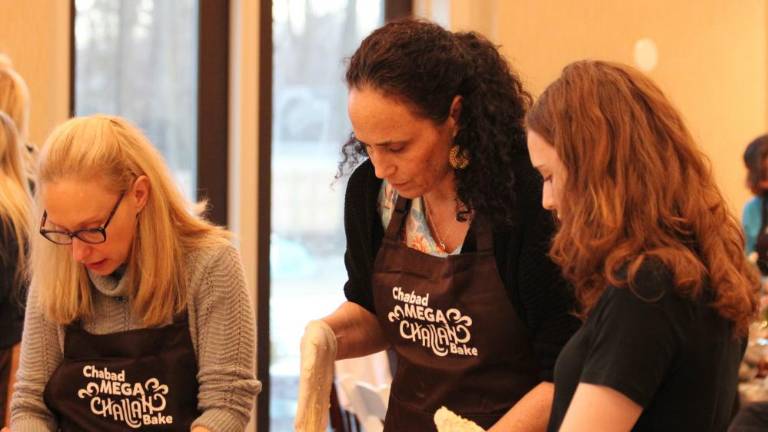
[393, 10]
[212, 103]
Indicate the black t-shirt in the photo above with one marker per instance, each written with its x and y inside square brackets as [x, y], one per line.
[675, 357]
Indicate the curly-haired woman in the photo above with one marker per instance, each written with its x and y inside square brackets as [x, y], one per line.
[446, 238]
[655, 258]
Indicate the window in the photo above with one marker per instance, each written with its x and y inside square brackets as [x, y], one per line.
[309, 124]
[138, 60]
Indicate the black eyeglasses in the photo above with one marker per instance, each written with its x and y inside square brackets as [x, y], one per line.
[88, 235]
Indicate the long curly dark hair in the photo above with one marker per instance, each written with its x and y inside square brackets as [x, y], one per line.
[426, 66]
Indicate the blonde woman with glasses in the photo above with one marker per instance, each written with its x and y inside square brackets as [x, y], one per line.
[138, 316]
[15, 208]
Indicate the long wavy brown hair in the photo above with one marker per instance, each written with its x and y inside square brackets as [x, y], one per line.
[636, 187]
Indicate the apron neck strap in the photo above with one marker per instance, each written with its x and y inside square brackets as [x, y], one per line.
[76, 323]
[396, 222]
[181, 317]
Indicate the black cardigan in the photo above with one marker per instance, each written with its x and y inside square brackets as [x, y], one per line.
[12, 295]
[534, 283]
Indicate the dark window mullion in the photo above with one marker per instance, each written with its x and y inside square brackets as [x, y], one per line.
[213, 107]
[264, 200]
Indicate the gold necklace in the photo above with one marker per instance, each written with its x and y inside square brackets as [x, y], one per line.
[432, 226]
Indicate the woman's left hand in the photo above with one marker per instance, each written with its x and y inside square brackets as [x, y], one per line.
[194, 429]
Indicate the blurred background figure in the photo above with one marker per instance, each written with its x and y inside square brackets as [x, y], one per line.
[753, 416]
[15, 205]
[16, 175]
[15, 101]
[753, 217]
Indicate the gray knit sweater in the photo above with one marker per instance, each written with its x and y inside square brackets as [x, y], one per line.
[221, 323]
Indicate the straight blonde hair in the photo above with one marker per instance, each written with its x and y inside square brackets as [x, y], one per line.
[111, 150]
[15, 200]
[15, 101]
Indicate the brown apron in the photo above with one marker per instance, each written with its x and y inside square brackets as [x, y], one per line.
[459, 340]
[6, 366]
[143, 379]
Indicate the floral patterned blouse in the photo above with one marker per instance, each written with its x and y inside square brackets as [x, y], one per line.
[417, 233]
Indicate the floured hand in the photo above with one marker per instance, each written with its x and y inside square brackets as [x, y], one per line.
[318, 352]
[447, 421]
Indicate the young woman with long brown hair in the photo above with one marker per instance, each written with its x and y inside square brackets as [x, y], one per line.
[654, 255]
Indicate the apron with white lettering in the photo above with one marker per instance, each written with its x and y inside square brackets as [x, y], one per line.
[144, 379]
[458, 338]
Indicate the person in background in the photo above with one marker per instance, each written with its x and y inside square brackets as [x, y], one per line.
[15, 214]
[15, 101]
[446, 239]
[754, 214]
[654, 255]
[138, 315]
[753, 416]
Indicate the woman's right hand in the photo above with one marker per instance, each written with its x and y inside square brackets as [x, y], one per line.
[351, 331]
[318, 352]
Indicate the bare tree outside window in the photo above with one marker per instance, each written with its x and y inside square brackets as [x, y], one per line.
[312, 38]
[138, 59]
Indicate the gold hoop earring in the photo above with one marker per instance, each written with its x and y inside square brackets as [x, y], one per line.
[457, 158]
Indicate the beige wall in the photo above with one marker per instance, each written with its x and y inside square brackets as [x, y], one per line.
[712, 58]
[35, 34]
